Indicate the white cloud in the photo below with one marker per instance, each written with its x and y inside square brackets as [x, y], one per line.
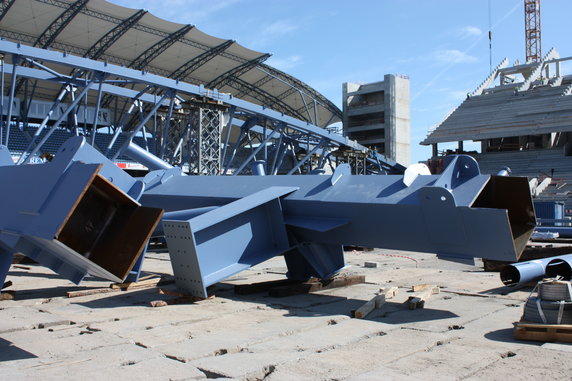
[470, 31]
[284, 63]
[453, 56]
[280, 27]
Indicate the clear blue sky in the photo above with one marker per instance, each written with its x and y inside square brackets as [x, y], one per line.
[441, 45]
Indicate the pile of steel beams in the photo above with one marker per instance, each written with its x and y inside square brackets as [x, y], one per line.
[80, 214]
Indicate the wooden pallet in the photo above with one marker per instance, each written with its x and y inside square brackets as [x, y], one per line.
[543, 332]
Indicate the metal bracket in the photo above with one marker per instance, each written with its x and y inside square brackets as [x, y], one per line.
[222, 242]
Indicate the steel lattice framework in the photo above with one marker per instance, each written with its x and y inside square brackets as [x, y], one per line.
[532, 30]
[207, 131]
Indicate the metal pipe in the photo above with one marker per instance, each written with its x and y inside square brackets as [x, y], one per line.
[517, 274]
[504, 171]
[145, 157]
[560, 266]
[257, 168]
[15, 61]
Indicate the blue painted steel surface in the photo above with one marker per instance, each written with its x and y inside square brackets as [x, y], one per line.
[145, 157]
[549, 209]
[5, 157]
[563, 231]
[77, 149]
[224, 241]
[459, 214]
[67, 216]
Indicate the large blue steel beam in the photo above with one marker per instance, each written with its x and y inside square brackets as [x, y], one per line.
[459, 215]
[70, 215]
[76, 215]
[180, 88]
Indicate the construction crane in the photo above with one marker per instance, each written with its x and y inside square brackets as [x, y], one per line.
[532, 30]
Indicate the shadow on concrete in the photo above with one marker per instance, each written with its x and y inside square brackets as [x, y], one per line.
[129, 298]
[315, 304]
[10, 352]
[506, 336]
[31, 274]
[505, 290]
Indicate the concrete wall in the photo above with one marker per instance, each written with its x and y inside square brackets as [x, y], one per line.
[377, 115]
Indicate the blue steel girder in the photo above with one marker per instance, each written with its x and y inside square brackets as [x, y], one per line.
[108, 39]
[181, 88]
[154, 51]
[236, 72]
[186, 69]
[65, 79]
[459, 215]
[73, 217]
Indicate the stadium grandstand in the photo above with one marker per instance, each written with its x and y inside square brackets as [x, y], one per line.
[522, 117]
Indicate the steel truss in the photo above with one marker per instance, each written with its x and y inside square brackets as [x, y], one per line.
[203, 130]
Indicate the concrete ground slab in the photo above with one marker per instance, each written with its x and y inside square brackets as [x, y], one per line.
[463, 333]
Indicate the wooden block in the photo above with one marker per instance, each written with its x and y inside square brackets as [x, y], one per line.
[143, 283]
[389, 292]
[371, 265]
[316, 285]
[7, 295]
[418, 301]
[93, 291]
[179, 300]
[421, 287]
[374, 303]
[127, 286]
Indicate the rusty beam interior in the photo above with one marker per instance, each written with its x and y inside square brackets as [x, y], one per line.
[512, 194]
[108, 227]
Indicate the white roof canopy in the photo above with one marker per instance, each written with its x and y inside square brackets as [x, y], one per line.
[137, 39]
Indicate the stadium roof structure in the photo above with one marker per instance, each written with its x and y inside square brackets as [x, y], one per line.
[528, 99]
[136, 39]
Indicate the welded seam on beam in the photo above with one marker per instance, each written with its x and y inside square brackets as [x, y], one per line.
[154, 51]
[200, 60]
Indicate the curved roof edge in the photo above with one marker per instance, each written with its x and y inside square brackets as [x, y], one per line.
[137, 39]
